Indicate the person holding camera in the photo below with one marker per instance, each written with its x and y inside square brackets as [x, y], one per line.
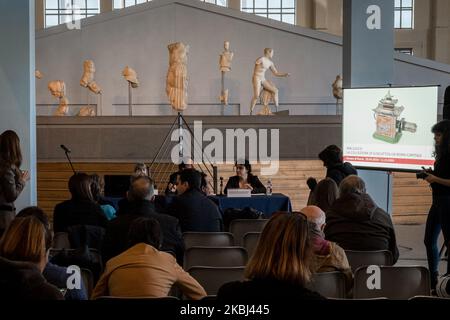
[439, 215]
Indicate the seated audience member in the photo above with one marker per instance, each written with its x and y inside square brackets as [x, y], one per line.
[324, 194]
[171, 188]
[140, 170]
[98, 189]
[337, 169]
[281, 265]
[81, 209]
[143, 270]
[356, 223]
[53, 273]
[328, 256]
[140, 205]
[193, 209]
[23, 256]
[244, 179]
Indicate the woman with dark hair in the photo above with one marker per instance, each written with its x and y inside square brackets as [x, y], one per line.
[143, 270]
[282, 265]
[244, 179]
[98, 189]
[12, 179]
[23, 256]
[81, 209]
[439, 215]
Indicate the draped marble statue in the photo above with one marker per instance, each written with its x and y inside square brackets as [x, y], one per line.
[177, 80]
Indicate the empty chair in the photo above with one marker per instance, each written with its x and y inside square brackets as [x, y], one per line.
[215, 257]
[358, 259]
[391, 282]
[212, 278]
[61, 241]
[251, 241]
[240, 227]
[329, 284]
[208, 239]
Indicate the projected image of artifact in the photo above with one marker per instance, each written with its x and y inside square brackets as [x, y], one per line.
[177, 80]
[389, 125]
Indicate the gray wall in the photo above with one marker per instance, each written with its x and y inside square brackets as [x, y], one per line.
[17, 99]
[138, 36]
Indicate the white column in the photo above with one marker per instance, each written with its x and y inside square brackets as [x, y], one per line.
[17, 86]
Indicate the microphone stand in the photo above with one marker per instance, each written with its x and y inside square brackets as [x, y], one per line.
[70, 161]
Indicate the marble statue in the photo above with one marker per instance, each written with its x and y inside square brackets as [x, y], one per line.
[337, 88]
[87, 80]
[266, 98]
[86, 112]
[177, 80]
[58, 90]
[225, 66]
[263, 64]
[226, 58]
[38, 74]
[131, 76]
[63, 108]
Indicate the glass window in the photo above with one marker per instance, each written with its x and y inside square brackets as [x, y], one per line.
[281, 10]
[120, 4]
[404, 14]
[63, 11]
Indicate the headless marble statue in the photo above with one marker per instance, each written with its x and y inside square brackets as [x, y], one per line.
[87, 80]
[58, 90]
[177, 81]
[337, 88]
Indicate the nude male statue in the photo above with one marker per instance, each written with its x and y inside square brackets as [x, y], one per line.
[263, 64]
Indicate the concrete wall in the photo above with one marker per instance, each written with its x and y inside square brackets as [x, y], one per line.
[138, 36]
[17, 99]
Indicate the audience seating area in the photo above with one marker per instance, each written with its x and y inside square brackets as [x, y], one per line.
[216, 258]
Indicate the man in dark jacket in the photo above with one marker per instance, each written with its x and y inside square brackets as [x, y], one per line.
[140, 205]
[355, 222]
[195, 211]
[336, 168]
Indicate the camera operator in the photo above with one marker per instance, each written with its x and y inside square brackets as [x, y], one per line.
[439, 215]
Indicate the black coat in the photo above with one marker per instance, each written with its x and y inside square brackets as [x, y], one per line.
[196, 212]
[340, 171]
[264, 290]
[116, 238]
[233, 183]
[356, 223]
[77, 212]
[24, 281]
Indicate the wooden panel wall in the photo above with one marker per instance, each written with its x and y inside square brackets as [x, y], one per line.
[411, 197]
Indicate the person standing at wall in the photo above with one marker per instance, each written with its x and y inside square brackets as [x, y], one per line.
[12, 179]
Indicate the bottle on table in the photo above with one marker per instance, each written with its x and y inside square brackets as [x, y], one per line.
[269, 188]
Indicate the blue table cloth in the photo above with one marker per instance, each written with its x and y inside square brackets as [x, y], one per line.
[266, 204]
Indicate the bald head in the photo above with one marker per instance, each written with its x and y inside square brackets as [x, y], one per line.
[315, 215]
[141, 189]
